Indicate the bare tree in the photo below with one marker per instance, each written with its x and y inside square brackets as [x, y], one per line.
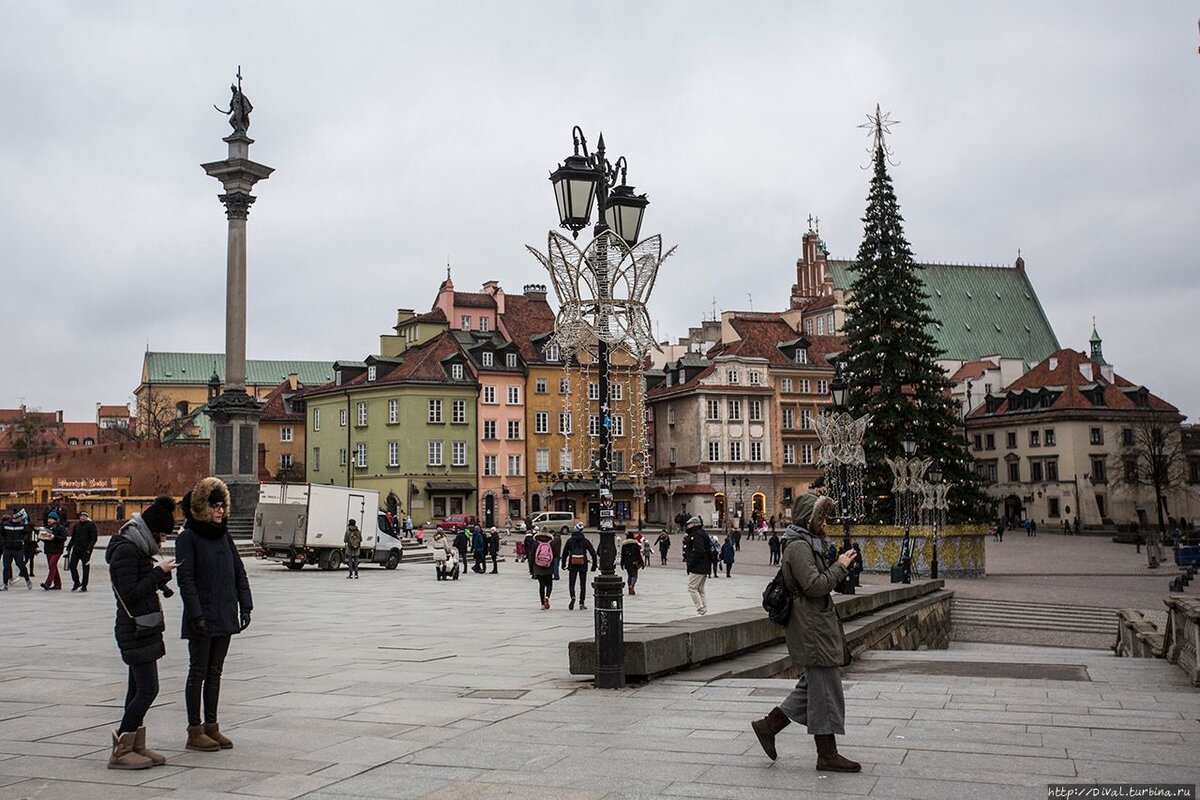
[291, 474]
[31, 435]
[156, 415]
[1152, 456]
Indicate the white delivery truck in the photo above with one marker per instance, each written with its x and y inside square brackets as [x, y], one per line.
[305, 523]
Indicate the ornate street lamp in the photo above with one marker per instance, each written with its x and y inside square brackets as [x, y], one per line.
[670, 493]
[602, 291]
[935, 500]
[843, 460]
[908, 482]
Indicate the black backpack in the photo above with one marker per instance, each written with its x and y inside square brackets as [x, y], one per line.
[777, 601]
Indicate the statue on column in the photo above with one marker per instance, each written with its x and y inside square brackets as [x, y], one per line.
[239, 107]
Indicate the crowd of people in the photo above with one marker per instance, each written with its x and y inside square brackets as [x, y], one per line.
[23, 542]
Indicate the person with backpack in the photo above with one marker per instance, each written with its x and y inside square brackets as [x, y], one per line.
[353, 541]
[775, 545]
[815, 639]
[15, 534]
[546, 552]
[697, 553]
[715, 552]
[576, 553]
[727, 555]
[631, 561]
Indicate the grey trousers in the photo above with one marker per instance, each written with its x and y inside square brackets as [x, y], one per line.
[817, 702]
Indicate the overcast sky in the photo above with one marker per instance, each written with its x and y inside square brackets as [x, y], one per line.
[404, 134]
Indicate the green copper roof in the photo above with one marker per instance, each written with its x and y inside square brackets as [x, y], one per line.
[983, 311]
[198, 367]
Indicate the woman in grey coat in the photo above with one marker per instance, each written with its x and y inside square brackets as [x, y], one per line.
[815, 638]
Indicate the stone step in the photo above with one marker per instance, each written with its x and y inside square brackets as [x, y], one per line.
[1033, 616]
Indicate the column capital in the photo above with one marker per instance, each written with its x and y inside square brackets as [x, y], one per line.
[237, 204]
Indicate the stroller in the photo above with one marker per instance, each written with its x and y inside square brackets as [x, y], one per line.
[446, 564]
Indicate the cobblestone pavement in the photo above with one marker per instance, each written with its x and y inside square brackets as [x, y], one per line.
[398, 686]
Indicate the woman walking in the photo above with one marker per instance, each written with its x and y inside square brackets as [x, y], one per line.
[815, 638]
[727, 555]
[631, 561]
[664, 544]
[547, 550]
[136, 581]
[216, 605]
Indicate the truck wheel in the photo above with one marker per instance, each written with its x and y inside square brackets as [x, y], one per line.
[294, 565]
[393, 560]
[335, 559]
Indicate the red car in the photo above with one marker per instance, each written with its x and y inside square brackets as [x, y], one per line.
[453, 521]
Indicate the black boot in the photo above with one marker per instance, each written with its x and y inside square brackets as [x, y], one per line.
[767, 728]
[87, 571]
[828, 758]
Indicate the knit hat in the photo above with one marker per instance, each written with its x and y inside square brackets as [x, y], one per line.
[159, 516]
[52, 515]
[693, 522]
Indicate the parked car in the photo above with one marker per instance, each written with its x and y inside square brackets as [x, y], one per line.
[555, 521]
[452, 521]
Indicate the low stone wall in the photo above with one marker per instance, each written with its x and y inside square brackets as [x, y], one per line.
[1137, 637]
[961, 549]
[897, 612]
[1181, 642]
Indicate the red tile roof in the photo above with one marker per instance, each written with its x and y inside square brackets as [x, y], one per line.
[762, 333]
[274, 408]
[113, 411]
[474, 300]
[1061, 373]
[525, 318]
[972, 370]
[83, 430]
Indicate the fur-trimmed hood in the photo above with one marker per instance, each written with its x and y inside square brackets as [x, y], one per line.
[197, 507]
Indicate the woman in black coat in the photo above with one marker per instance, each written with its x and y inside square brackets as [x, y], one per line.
[136, 582]
[216, 605]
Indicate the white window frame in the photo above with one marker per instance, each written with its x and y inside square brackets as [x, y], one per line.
[514, 465]
[714, 451]
[755, 411]
[541, 423]
[465, 322]
[801, 355]
[360, 455]
[316, 419]
[510, 360]
[285, 433]
[285, 460]
[564, 422]
[735, 451]
[316, 458]
[435, 411]
[484, 325]
[732, 377]
[735, 410]
[541, 386]
[514, 426]
[456, 372]
[712, 410]
[806, 419]
[564, 385]
[618, 425]
[551, 352]
[566, 459]
[785, 385]
[593, 390]
[806, 454]
[371, 373]
[755, 377]
[458, 454]
[670, 415]
[489, 395]
[342, 417]
[593, 424]
[489, 429]
[789, 453]
[434, 453]
[393, 453]
[361, 409]
[458, 412]
[756, 451]
[822, 387]
[542, 459]
[489, 466]
[514, 395]
[616, 391]
[341, 457]
[788, 418]
[393, 411]
[487, 358]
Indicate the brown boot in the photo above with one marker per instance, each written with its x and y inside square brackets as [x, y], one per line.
[766, 729]
[828, 759]
[139, 747]
[199, 740]
[123, 756]
[213, 731]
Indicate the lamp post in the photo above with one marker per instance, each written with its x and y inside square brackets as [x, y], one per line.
[908, 479]
[725, 499]
[935, 479]
[581, 179]
[670, 494]
[839, 394]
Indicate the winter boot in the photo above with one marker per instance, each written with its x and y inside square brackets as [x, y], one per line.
[198, 740]
[828, 759]
[632, 589]
[767, 728]
[571, 605]
[213, 731]
[139, 747]
[123, 756]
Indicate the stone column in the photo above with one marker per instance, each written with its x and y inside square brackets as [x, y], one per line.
[233, 448]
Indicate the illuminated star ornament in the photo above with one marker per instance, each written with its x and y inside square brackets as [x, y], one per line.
[879, 125]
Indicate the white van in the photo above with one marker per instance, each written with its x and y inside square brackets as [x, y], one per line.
[563, 521]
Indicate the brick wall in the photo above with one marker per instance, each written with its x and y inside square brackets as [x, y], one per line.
[151, 468]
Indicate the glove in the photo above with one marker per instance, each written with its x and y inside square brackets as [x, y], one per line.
[200, 625]
[245, 620]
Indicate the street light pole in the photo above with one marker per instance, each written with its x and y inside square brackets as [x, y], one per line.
[578, 180]
[671, 495]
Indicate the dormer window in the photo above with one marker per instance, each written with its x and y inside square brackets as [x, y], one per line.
[801, 356]
[551, 352]
[456, 371]
[487, 358]
[72, 441]
[510, 360]
[88, 441]
[466, 322]
[337, 378]
[371, 373]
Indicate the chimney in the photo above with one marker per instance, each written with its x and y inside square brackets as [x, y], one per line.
[293, 380]
[1020, 262]
[535, 291]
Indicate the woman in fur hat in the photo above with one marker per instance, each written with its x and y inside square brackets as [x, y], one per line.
[136, 581]
[815, 638]
[216, 605]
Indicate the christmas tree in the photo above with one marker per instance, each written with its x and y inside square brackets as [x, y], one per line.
[890, 359]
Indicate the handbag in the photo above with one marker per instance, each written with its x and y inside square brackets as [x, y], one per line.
[146, 624]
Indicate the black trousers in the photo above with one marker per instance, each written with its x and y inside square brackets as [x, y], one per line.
[206, 659]
[77, 560]
[545, 586]
[143, 688]
[480, 561]
[8, 559]
[579, 572]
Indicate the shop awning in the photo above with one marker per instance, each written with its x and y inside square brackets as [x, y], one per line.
[589, 486]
